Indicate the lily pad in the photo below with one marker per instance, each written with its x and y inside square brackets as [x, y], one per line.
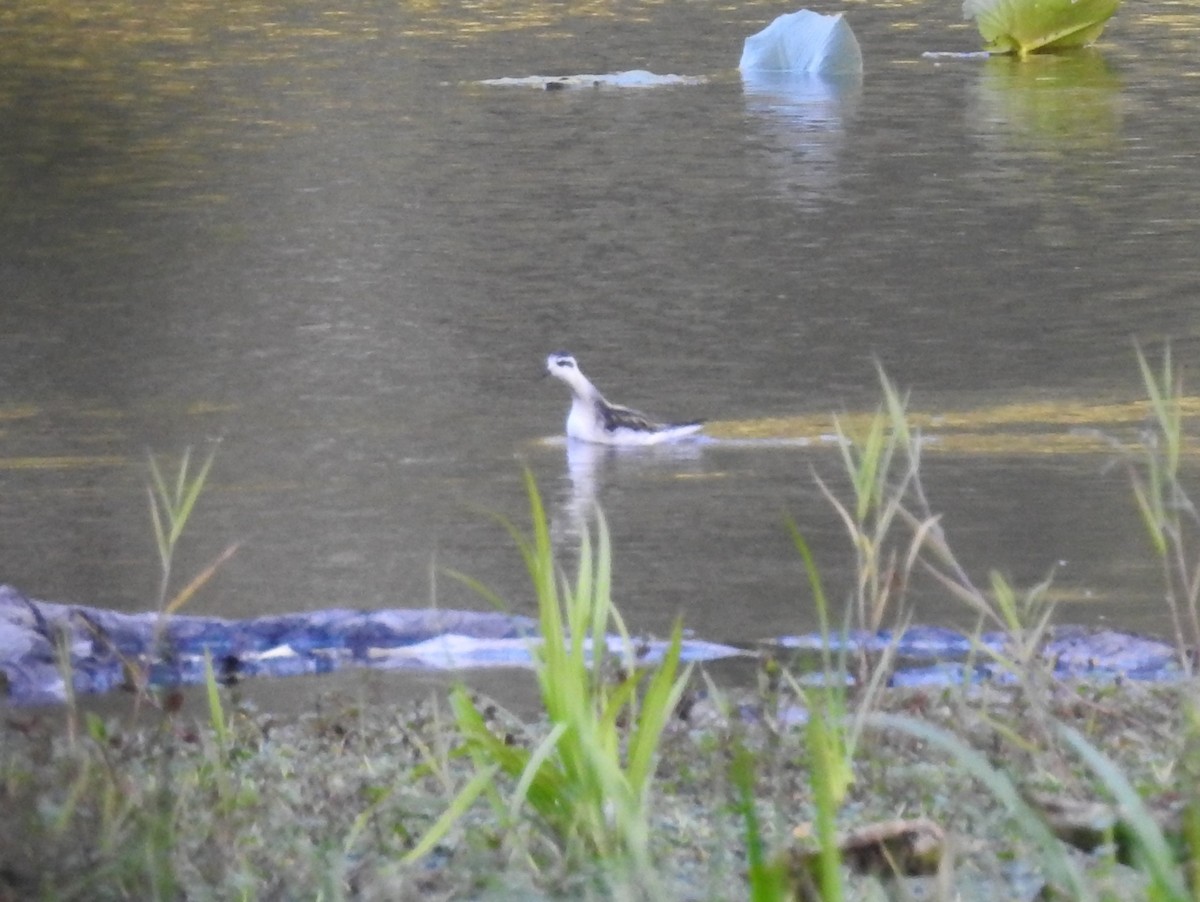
[1027, 26]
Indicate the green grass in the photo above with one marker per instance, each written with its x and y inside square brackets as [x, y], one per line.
[1168, 513]
[883, 468]
[588, 780]
[887, 509]
[171, 507]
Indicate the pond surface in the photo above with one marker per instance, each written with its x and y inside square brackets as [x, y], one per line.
[305, 231]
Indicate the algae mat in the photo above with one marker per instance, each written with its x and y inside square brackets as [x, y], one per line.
[1039, 427]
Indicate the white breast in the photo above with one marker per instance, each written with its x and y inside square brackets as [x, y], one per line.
[582, 422]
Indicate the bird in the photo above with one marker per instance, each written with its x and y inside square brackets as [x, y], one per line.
[593, 419]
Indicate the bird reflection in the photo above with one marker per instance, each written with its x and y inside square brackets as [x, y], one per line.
[590, 466]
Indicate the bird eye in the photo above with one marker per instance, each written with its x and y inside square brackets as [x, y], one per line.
[567, 362]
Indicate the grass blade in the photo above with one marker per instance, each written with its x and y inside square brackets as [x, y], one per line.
[1059, 867]
[454, 812]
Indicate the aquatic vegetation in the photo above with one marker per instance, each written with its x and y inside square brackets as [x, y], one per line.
[895, 534]
[171, 507]
[887, 499]
[879, 498]
[1026, 26]
[1168, 513]
[1169, 517]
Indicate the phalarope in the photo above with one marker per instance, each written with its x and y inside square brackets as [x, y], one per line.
[593, 419]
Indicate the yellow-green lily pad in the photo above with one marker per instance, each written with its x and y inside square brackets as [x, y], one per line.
[1027, 26]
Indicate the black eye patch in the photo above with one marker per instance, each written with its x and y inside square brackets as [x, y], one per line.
[564, 362]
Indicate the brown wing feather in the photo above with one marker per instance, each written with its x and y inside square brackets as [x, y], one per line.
[616, 417]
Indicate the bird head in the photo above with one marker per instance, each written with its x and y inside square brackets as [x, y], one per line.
[561, 365]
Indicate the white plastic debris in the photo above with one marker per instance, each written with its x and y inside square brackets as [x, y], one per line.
[806, 42]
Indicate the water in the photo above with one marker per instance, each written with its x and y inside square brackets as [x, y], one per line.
[305, 232]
